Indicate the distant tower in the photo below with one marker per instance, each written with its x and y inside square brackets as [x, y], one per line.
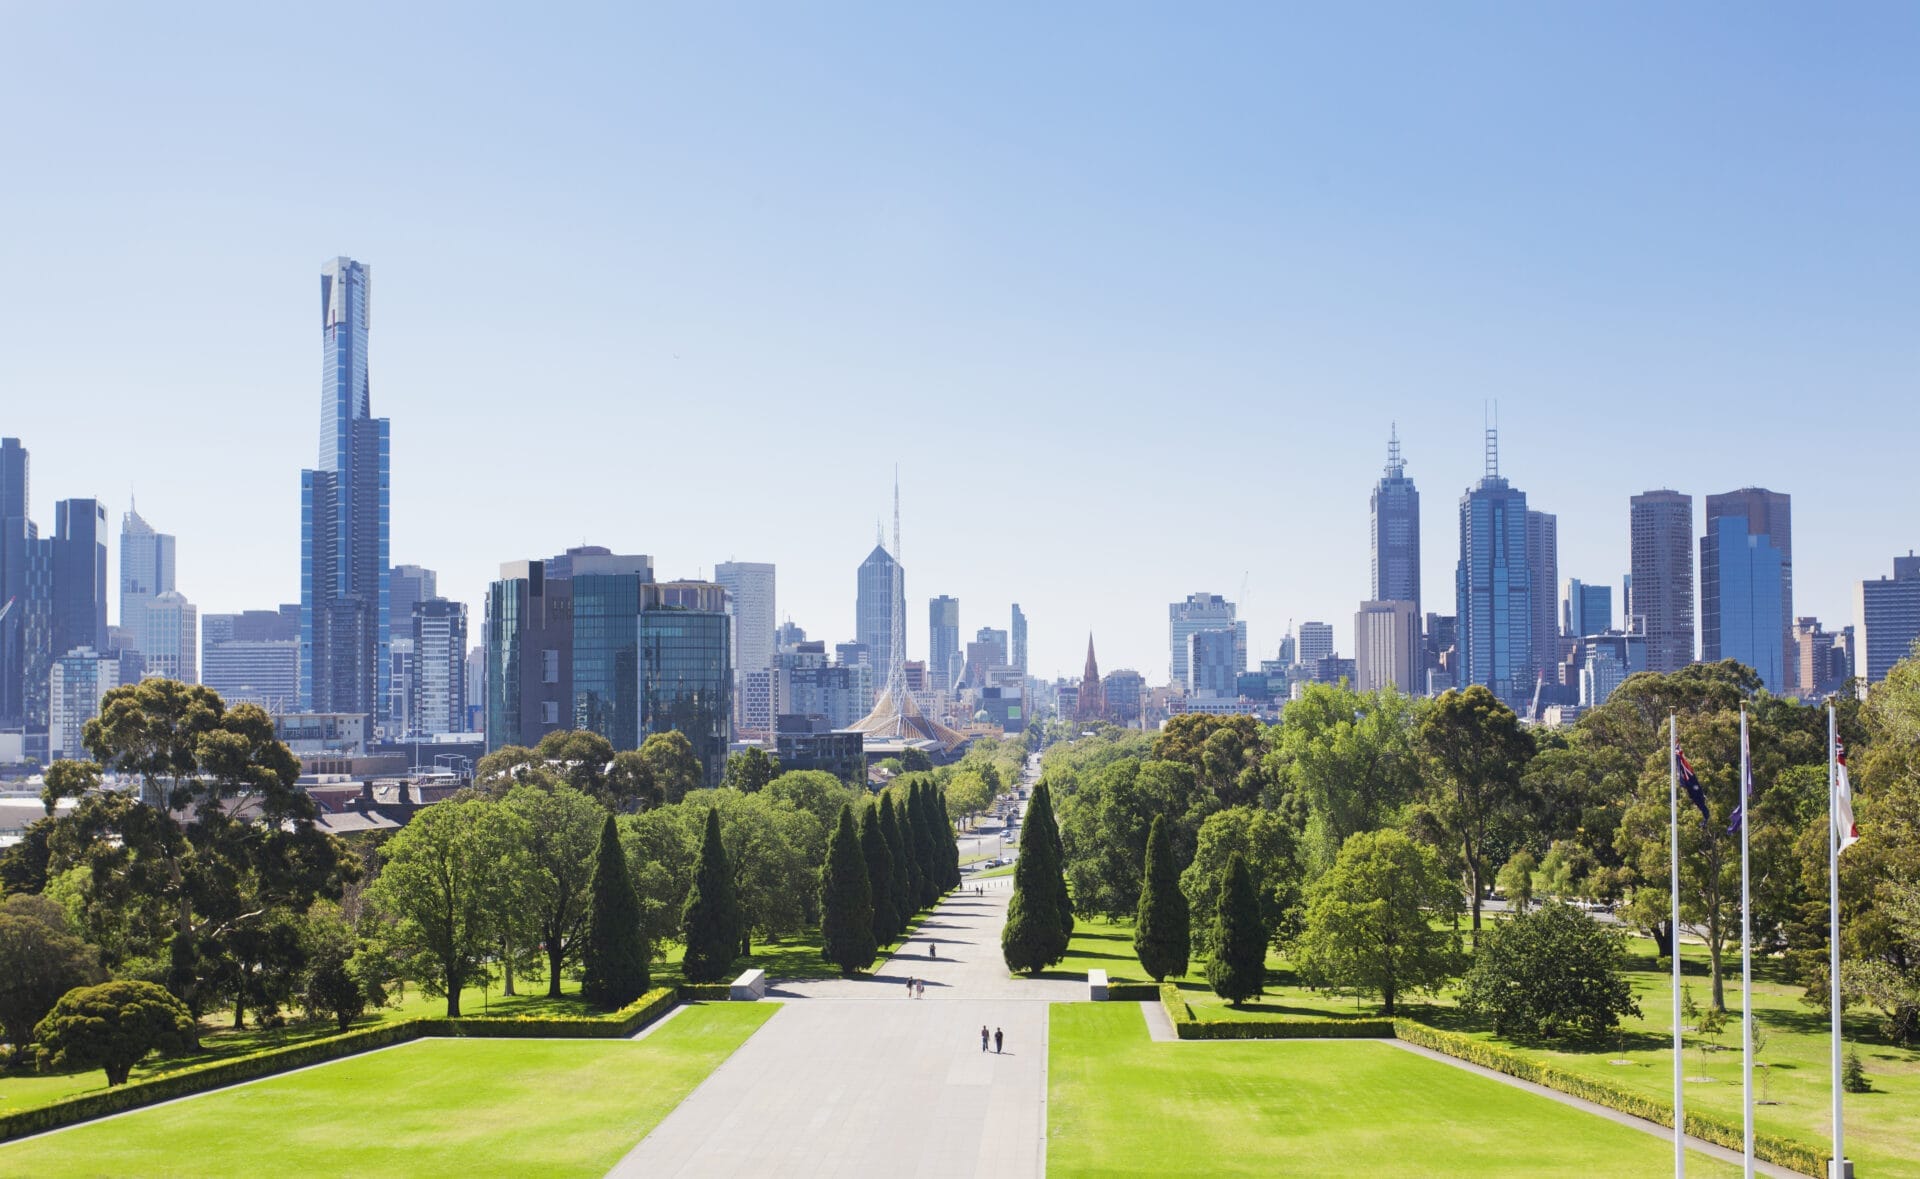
[1396, 532]
[1092, 705]
[1493, 586]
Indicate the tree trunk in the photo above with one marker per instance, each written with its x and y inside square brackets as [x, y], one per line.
[239, 1013]
[555, 951]
[1662, 939]
[1386, 993]
[453, 993]
[1719, 988]
[1473, 881]
[506, 967]
[117, 1072]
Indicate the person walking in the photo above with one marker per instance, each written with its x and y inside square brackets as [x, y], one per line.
[909, 987]
[983, 1037]
[933, 951]
[996, 1041]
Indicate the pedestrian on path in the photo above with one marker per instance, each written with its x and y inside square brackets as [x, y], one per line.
[933, 951]
[919, 989]
[983, 1037]
[996, 1041]
[909, 987]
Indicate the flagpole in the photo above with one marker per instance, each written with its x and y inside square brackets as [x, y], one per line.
[1673, 886]
[1746, 947]
[1838, 1168]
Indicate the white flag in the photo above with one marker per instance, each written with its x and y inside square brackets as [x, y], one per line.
[1843, 800]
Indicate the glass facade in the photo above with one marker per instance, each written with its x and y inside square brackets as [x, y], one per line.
[1749, 588]
[686, 646]
[1493, 591]
[606, 657]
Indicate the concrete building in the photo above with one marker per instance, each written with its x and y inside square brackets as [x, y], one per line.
[1197, 613]
[78, 680]
[812, 743]
[1823, 658]
[169, 636]
[943, 641]
[253, 657]
[1315, 643]
[1888, 614]
[1213, 660]
[1017, 654]
[1386, 647]
[1660, 586]
[750, 589]
[438, 703]
[1124, 692]
[1543, 572]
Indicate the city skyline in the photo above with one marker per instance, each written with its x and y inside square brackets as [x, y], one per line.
[945, 278]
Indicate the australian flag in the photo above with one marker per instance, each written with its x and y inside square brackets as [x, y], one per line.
[1693, 789]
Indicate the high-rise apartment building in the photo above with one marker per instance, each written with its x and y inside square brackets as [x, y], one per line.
[880, 609]
[1660, 586]
[438, 702]
[1201, 612]
[17, 537]
[1493, 587]
[1018, 655]
[408, 586]
[79, 679]
[943, 641]
[1585, 609]
[1315, 643]
[79, 576]
[1748, 538]
[1823, 658]
[345, 604]
[1396, 532]
[1543, 573]
[1214, 672]
[1386, 647]
[169, 637]
[1124, 692]
[750, 590]
[146, 572]
[1888, 613]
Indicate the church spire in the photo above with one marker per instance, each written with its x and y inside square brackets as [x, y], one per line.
[1093, 705]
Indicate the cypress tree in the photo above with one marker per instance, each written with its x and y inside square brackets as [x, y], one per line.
[614, 963]
[873, 849]
[930, 889]
[710, 924]
[906, 866]
[1160, 933]
[1043, 828]
[1238, 969]
[846, 903]
[1033, 938]
[949, 839]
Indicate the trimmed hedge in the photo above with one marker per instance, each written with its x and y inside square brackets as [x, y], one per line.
[191, 1079]
[1786, 1152]
[1132, 992]
[1187, 1027]
[706, 992]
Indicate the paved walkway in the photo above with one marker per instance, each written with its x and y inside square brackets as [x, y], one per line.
[852, 1078]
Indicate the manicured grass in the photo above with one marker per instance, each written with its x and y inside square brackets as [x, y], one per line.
[427, 1108]
[992, 873]
[1119, 1104]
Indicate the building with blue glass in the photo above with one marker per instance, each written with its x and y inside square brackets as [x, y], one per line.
[345, 622]
[1745, 609]
[686, 668]
[1493, 588]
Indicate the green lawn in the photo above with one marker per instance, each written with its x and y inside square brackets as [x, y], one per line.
[426, 1108]
[1119, 1104]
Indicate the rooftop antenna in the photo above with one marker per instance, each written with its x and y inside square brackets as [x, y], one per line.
[1395, 465]
[897, 638]
[1491, 414]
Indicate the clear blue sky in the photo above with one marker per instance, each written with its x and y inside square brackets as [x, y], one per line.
[1131, 296]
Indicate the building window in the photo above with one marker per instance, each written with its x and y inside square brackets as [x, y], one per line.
[550, 666]
[550, 711]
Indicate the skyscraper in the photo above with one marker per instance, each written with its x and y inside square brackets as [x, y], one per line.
[1396, 532]
[408, 585]
[16, 529]
[1386, 647]
[943, 641]
[686, 655]
[169, 637]
[1586, 609]
[146, 572]
[1543, 573]
[253, 657]
[750, 590]
[1493, 587]
[1315, 643]
[439, 690]
[1888, 610]
[1019, 654]
[879, 607]
[1201, 612]
[345, 604]
[1660, 586]
[79, 576]
[1765, 521]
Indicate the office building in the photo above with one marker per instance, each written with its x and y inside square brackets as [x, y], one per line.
[253, 657]
[1018, 655]
[812, 743]
[146, 572]
[943, 641]
[78, 680]
[407, 586]
[477, 688]
[1201, 612]
[1823, 658]
[1124, 693]
[1887, 610]
[438, 701]
[750, 591]
[1748, 542]
[880, 609]
[1386, 647]
[806, 684]
[169, 637]
[79, 576]
[18, 537]
[1543, 573]
[1315, 643]
[531, 648]
[1493, 588]
[1660, 587]
[686, 668]
[1396, 532]
[1585, 609]
[1214, 664]
[345, 620]
[1606, 660]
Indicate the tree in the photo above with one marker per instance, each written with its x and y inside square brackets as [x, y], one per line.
[879, 861]
[1353, 757]
[563, 827]
[40, 960]
[448, 876]
[1266, 841]
[846, 901]
[1368, 928]
[1042, 828]
[710, 923]
[750, 770]
[1225, 753]
[670, 760]
[1103, 827]
[1552, 972]
[581, 757]
[1035, 937]
[613, 966]
[661, 846]
[904, 889]
[1238, 969]
[775, 852]
[333, 988]
[929, 875]
[112, 1026]
[1160, 938]
[1475, 751]
[631, 785]
[1516, 879]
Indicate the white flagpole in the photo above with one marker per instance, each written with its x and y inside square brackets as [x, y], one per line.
[1673, 885]
[1838, 1169]
[1746, 947]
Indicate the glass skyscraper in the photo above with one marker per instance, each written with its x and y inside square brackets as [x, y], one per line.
[345, 621]
[1746, 606]
[606, 656]
[943, 641]
[1760, 513]
[1493, 588]
[880, 604]
[686, 654]
[1396, 533]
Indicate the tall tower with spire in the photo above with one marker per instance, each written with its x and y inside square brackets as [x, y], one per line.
[1396, 531]
[1093, 704]
[1493, 585]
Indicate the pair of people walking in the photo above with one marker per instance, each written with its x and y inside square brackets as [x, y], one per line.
[996, 1039]
[915, 988]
